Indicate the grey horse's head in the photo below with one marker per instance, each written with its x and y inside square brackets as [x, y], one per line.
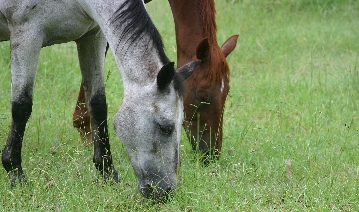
[149, 124]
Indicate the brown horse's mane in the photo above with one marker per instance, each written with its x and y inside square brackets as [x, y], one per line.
[207, 12]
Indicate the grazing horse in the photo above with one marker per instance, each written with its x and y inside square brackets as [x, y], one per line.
[206, 90]
[150, 118]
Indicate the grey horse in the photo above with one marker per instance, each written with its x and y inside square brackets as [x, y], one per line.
[149, 120]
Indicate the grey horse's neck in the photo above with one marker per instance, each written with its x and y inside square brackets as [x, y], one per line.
[134, 40]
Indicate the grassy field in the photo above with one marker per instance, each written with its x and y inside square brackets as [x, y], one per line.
[291, 123]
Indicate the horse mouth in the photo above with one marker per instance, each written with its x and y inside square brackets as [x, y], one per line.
[157, 193]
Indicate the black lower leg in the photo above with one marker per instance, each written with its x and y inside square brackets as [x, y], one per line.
[11, 155]
[102, 152]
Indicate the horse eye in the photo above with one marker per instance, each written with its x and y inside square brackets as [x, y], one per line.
[203, 96]
[166, 129]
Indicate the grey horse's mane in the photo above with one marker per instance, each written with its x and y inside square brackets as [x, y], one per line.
[134, 17]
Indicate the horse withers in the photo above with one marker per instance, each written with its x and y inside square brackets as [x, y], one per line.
[149, 120]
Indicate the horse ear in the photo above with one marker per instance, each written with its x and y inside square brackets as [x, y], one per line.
[229, 45]
[186, 70]
[165, 76]
[203, 49]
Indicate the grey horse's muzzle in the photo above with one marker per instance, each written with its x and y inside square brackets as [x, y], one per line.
[157, 191]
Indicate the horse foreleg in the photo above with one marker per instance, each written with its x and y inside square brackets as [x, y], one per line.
[25, 50]
[91, 50]
[21, 108]
[81, 117]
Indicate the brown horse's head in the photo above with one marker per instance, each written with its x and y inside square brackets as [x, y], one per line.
[205, 95]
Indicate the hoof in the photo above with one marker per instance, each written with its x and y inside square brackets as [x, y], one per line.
[86, 137]
[115, 176]
[17, 175]
[111, 173]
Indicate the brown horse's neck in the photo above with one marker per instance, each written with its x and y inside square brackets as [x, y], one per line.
[194, 21]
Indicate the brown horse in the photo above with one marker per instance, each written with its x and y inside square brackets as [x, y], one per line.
[206, 90]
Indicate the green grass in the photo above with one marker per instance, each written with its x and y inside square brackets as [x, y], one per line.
[291, 124]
